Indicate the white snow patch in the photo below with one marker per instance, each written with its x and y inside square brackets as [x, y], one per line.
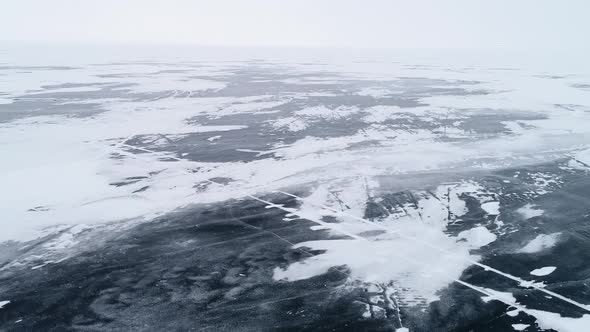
[3, 303]
[477, 237]
[543, 271]
[530, 211]
[214, 138]
[367, 312]
[540, 243]
[492, 208]
[520, 327]
[382, 260]
[581, 159]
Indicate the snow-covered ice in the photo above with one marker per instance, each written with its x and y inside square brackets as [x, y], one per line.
[543, 271]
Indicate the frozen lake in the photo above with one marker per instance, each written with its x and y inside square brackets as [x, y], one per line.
[247, 189]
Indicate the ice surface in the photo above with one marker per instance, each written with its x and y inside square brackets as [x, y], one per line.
[64, 174]
[70, 151]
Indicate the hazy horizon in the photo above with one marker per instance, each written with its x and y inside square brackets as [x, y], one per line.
[423, 24]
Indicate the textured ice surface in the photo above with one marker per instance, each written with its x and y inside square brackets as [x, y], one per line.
[398, 164]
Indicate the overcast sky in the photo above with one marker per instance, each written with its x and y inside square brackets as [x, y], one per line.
[557, 24]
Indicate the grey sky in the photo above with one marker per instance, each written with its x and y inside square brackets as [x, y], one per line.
[371, 23]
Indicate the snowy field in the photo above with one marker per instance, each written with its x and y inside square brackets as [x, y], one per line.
[242, 189]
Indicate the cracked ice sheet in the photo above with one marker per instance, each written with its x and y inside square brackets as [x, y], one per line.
[306, 160]
[78, 151]
[543, 271]
[385, 256]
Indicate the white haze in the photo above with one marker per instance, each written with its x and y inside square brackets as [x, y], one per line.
[454, 24]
